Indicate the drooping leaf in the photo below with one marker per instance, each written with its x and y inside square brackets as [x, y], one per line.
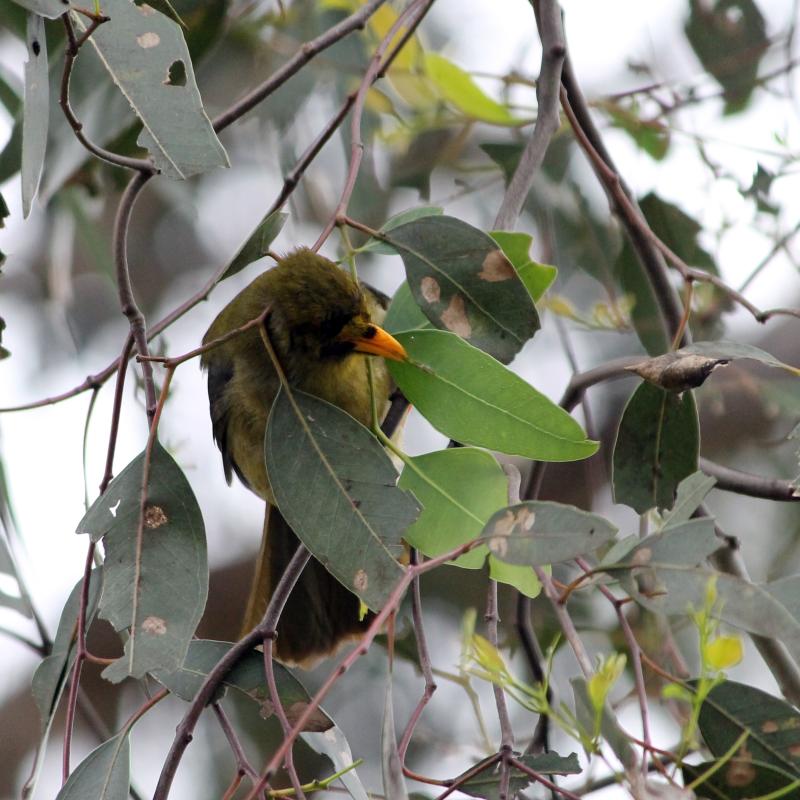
[45, 8]
[690, 493]
[404, 314]
[506, 155]
[394, 785]
[537, 277]
[459, 489]
[538, 533]
[609, 727]
[464, 283]
[157, 588]
[729, 37]
[677, 589]
[337, 489]
[459, 89]
[739, 778]
[772, 726]
[257, 243]
[646, 315]
[410, 215]
[247, 677]
[472, 398]
[146, 56]
[736, 350]
[36, 113]
[486, 784]
[657, 447]
[333, 744]
[103, 775]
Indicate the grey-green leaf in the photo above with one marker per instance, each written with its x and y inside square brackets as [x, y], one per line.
[337, 489]
[146, 56]
[45, 8]
[409, 215]
[394, 786]
[464, 283]
[257, 244]
[246, 677]
[103, 775]
[156, 589]
[36, 114]
[690, 494]
[486, 784]
[333, 744]
[538, 533]
[472, 398]
[657, 446]
[686, 543]
[609, 728]
[404, 314]
[736, 350]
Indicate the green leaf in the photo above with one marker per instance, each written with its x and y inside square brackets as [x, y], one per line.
[257, 243]
[736, 350]
[45, 8]
[486, 784]
[686, 544]
[537, 277]
[459, 489]
[609, 728]
[146, 56]
[104, 774]
[472, 398]
[691, 492]
[410, 215]
[36, 113]
[650, 135]
[772, 726]
[729, 37]
[157, 589]
[459, 89]
[739, 778]
[463, 282]
[538, 533]
[657, 447]
[246, 677]
[337, 489]
[676, 589]
[404, 314]
[505, 155]
[646, 315]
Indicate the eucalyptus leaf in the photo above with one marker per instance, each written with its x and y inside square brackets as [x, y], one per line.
[246, 677]
[156, 589]
[537, 277]
[609, 727]
[257, 244]
[36, 114]
[657, 446]
[103, 775]
[146, 56]
[739, 778]
[16, 602]
[686, 543]
[736, 350]
[461, 91]
[772, 725]
[486, 784]
[404, 314]
[459, 489]
[464, 283]
[538, 532]
[337, 489]
[409, 215]
[690, 494]
[394, 785]
[45, 8]
[333, 744]
[472, 398]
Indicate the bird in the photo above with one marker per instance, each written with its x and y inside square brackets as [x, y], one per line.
[323, 325]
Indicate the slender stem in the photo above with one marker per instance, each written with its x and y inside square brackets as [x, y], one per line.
[243, 766]
[554, 50]
[122, 370]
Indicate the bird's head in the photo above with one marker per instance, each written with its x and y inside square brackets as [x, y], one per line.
[321, 313]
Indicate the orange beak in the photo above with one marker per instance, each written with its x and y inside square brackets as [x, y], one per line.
[377, 342]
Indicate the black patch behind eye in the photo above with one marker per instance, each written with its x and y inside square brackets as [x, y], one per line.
[336, 349]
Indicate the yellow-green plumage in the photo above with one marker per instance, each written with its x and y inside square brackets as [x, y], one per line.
[318, 315]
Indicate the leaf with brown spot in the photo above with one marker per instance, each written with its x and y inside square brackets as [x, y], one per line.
[769, 760]
[481, 297]
[154, 588]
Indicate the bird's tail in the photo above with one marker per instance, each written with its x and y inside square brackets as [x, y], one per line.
[320, 613]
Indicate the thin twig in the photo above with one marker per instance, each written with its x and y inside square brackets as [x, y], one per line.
[243, 766]
[554, 50]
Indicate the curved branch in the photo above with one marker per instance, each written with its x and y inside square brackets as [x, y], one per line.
[733, 480]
